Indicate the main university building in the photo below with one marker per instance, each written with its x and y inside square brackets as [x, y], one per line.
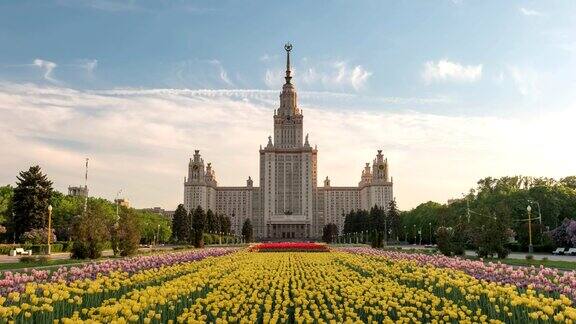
[288, 204]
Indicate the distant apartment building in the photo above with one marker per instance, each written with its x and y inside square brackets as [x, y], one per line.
[77, 191]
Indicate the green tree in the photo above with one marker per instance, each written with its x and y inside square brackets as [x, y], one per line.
[329, 232]
[65, 210]
[90, 232]
[30, 201]
[490, 231]
[226, 224]
[378, 221]
[154, 228]
[247, 230]
[198, 226]
[181, 224]
[128, 232]
[569, 182]
[393, 216]
[6, 194]
[211, 222]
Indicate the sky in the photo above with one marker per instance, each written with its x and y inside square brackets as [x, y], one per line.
[451, 90]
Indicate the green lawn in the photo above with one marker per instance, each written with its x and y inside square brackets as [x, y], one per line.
[563, 265]
[43, 265]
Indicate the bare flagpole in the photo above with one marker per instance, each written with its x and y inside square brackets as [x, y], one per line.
[86, 187]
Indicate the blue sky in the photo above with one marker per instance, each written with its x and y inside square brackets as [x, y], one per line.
[450, 68]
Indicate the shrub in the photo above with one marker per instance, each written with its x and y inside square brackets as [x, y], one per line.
[38, 236]
[128, 233]
[529, 257]
[90, 234]
[450, 241]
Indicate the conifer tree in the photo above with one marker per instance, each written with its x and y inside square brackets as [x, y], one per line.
[247, 230]
[211, 222]
[30, 202]
[198, 227]
[181, 224]
[393, 216]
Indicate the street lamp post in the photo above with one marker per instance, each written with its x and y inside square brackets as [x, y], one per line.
[420, 234]
[530, 247]
[430, 224]
[158, 234]
[49, 227]
[415, 234]
[405, 234]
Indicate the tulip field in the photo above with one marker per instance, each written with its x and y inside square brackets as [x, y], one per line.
[235, 285]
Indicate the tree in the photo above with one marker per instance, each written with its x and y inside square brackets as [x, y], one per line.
[247, 230]
[198, 226]
[378, 221]
[90, 232]
[226, 224]
[211, 222]
[128, 232]
[560, 234]
[490, 231]
[569, 182]
[329, 232]
[393, 216]
[153, 227]
[450, 240]
[65, 210]
[30, 201]
[6, 194]
[181, 224]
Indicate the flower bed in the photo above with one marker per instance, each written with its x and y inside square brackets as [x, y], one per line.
[16, 281]
[541, 278]
[243, 287]
[290, 247]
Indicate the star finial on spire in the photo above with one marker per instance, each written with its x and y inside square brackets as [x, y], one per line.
[288, 48]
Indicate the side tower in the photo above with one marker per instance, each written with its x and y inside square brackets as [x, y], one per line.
[375, 185]
[200, 186]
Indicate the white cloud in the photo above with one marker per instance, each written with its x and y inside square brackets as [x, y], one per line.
[274, 78]
[199, 73]
[526, 80]
[47, 66]
[222, 72]
[445, 70]
[326, 75]
[140, 140]
[530, 12]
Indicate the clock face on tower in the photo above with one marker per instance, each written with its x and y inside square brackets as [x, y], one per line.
[381, 167]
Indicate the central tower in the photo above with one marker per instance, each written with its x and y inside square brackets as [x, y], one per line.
[288, 118]
[288, 170]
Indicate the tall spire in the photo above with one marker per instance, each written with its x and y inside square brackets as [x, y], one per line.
[288, 48]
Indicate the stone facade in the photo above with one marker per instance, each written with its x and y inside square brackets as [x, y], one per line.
[288, 204]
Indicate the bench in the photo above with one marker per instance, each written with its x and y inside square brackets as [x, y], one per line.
[571, 251]
[559, 251]
[20, 251]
